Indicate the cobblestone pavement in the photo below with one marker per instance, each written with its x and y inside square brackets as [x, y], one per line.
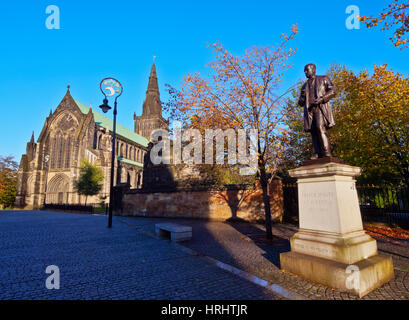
[100, 263]
[243, 246]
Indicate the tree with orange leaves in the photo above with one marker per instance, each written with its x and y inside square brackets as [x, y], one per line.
[242, 93]
[394, 15]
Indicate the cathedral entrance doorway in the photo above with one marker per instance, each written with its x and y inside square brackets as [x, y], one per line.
[58, 189]
[60, 197]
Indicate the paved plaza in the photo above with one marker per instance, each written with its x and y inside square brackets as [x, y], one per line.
[100, 263]
[130, 262]
[244, 246]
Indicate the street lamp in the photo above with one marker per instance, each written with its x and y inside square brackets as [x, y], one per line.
[114, 87]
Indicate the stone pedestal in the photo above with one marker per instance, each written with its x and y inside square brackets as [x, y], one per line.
[331, 246]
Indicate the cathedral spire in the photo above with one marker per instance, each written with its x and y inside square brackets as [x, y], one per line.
[153, 80]
[32, 138]
[151, 117]
[152, 104]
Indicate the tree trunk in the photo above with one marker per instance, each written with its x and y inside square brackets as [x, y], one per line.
[266, 199]
[86, 200]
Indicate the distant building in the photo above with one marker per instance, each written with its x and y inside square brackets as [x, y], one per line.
[73, 132]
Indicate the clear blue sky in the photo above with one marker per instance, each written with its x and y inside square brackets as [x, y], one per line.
[118, 39]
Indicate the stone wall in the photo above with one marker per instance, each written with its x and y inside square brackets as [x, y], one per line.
[223, 204]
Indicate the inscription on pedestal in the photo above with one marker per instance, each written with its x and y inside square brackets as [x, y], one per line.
[317, 201]
[314, 249]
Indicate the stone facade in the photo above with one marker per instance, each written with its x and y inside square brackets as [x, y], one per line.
[73, 132]
[223, 204]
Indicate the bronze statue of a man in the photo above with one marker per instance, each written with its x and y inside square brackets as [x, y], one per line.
[315, 96]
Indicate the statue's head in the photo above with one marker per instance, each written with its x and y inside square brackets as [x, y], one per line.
[309, 70]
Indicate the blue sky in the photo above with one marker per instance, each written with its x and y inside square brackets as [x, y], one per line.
[119, 38]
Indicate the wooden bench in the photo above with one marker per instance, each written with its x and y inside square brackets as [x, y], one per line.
[173, 231]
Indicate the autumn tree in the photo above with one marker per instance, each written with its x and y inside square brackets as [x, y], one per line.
[392, 16]
[89, 181]
[8, 180]
[241, 92]
[372, 124]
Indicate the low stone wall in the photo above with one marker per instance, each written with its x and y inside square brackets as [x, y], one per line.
[246, 204]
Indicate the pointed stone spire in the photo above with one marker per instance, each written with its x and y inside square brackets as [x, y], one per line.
[152, 105]
[30, 148]
[51, 113]
[151, 117]
[153, 81]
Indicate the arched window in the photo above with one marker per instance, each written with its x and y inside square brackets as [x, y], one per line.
[60, 152]
[138, 181]
[95, 140]
[53, 152]
[68, 153]
[100, 142]
[30, 185]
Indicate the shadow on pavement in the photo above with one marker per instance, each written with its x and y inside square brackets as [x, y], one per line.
[271, 247]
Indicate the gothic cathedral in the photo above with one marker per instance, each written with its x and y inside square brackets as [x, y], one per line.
[73, 132]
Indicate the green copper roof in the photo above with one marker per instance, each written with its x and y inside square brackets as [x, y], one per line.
[108, 123]
[130, 162]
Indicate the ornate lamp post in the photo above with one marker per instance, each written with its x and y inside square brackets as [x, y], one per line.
[113, 87]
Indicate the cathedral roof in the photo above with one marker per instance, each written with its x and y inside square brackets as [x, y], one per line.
[138, 164]
[103, 121]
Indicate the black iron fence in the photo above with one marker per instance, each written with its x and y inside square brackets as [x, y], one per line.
[387, 204]
[290, 193]
[92, 208]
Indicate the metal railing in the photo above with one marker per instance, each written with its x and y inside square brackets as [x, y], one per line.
[387, 204]
[92, 208]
